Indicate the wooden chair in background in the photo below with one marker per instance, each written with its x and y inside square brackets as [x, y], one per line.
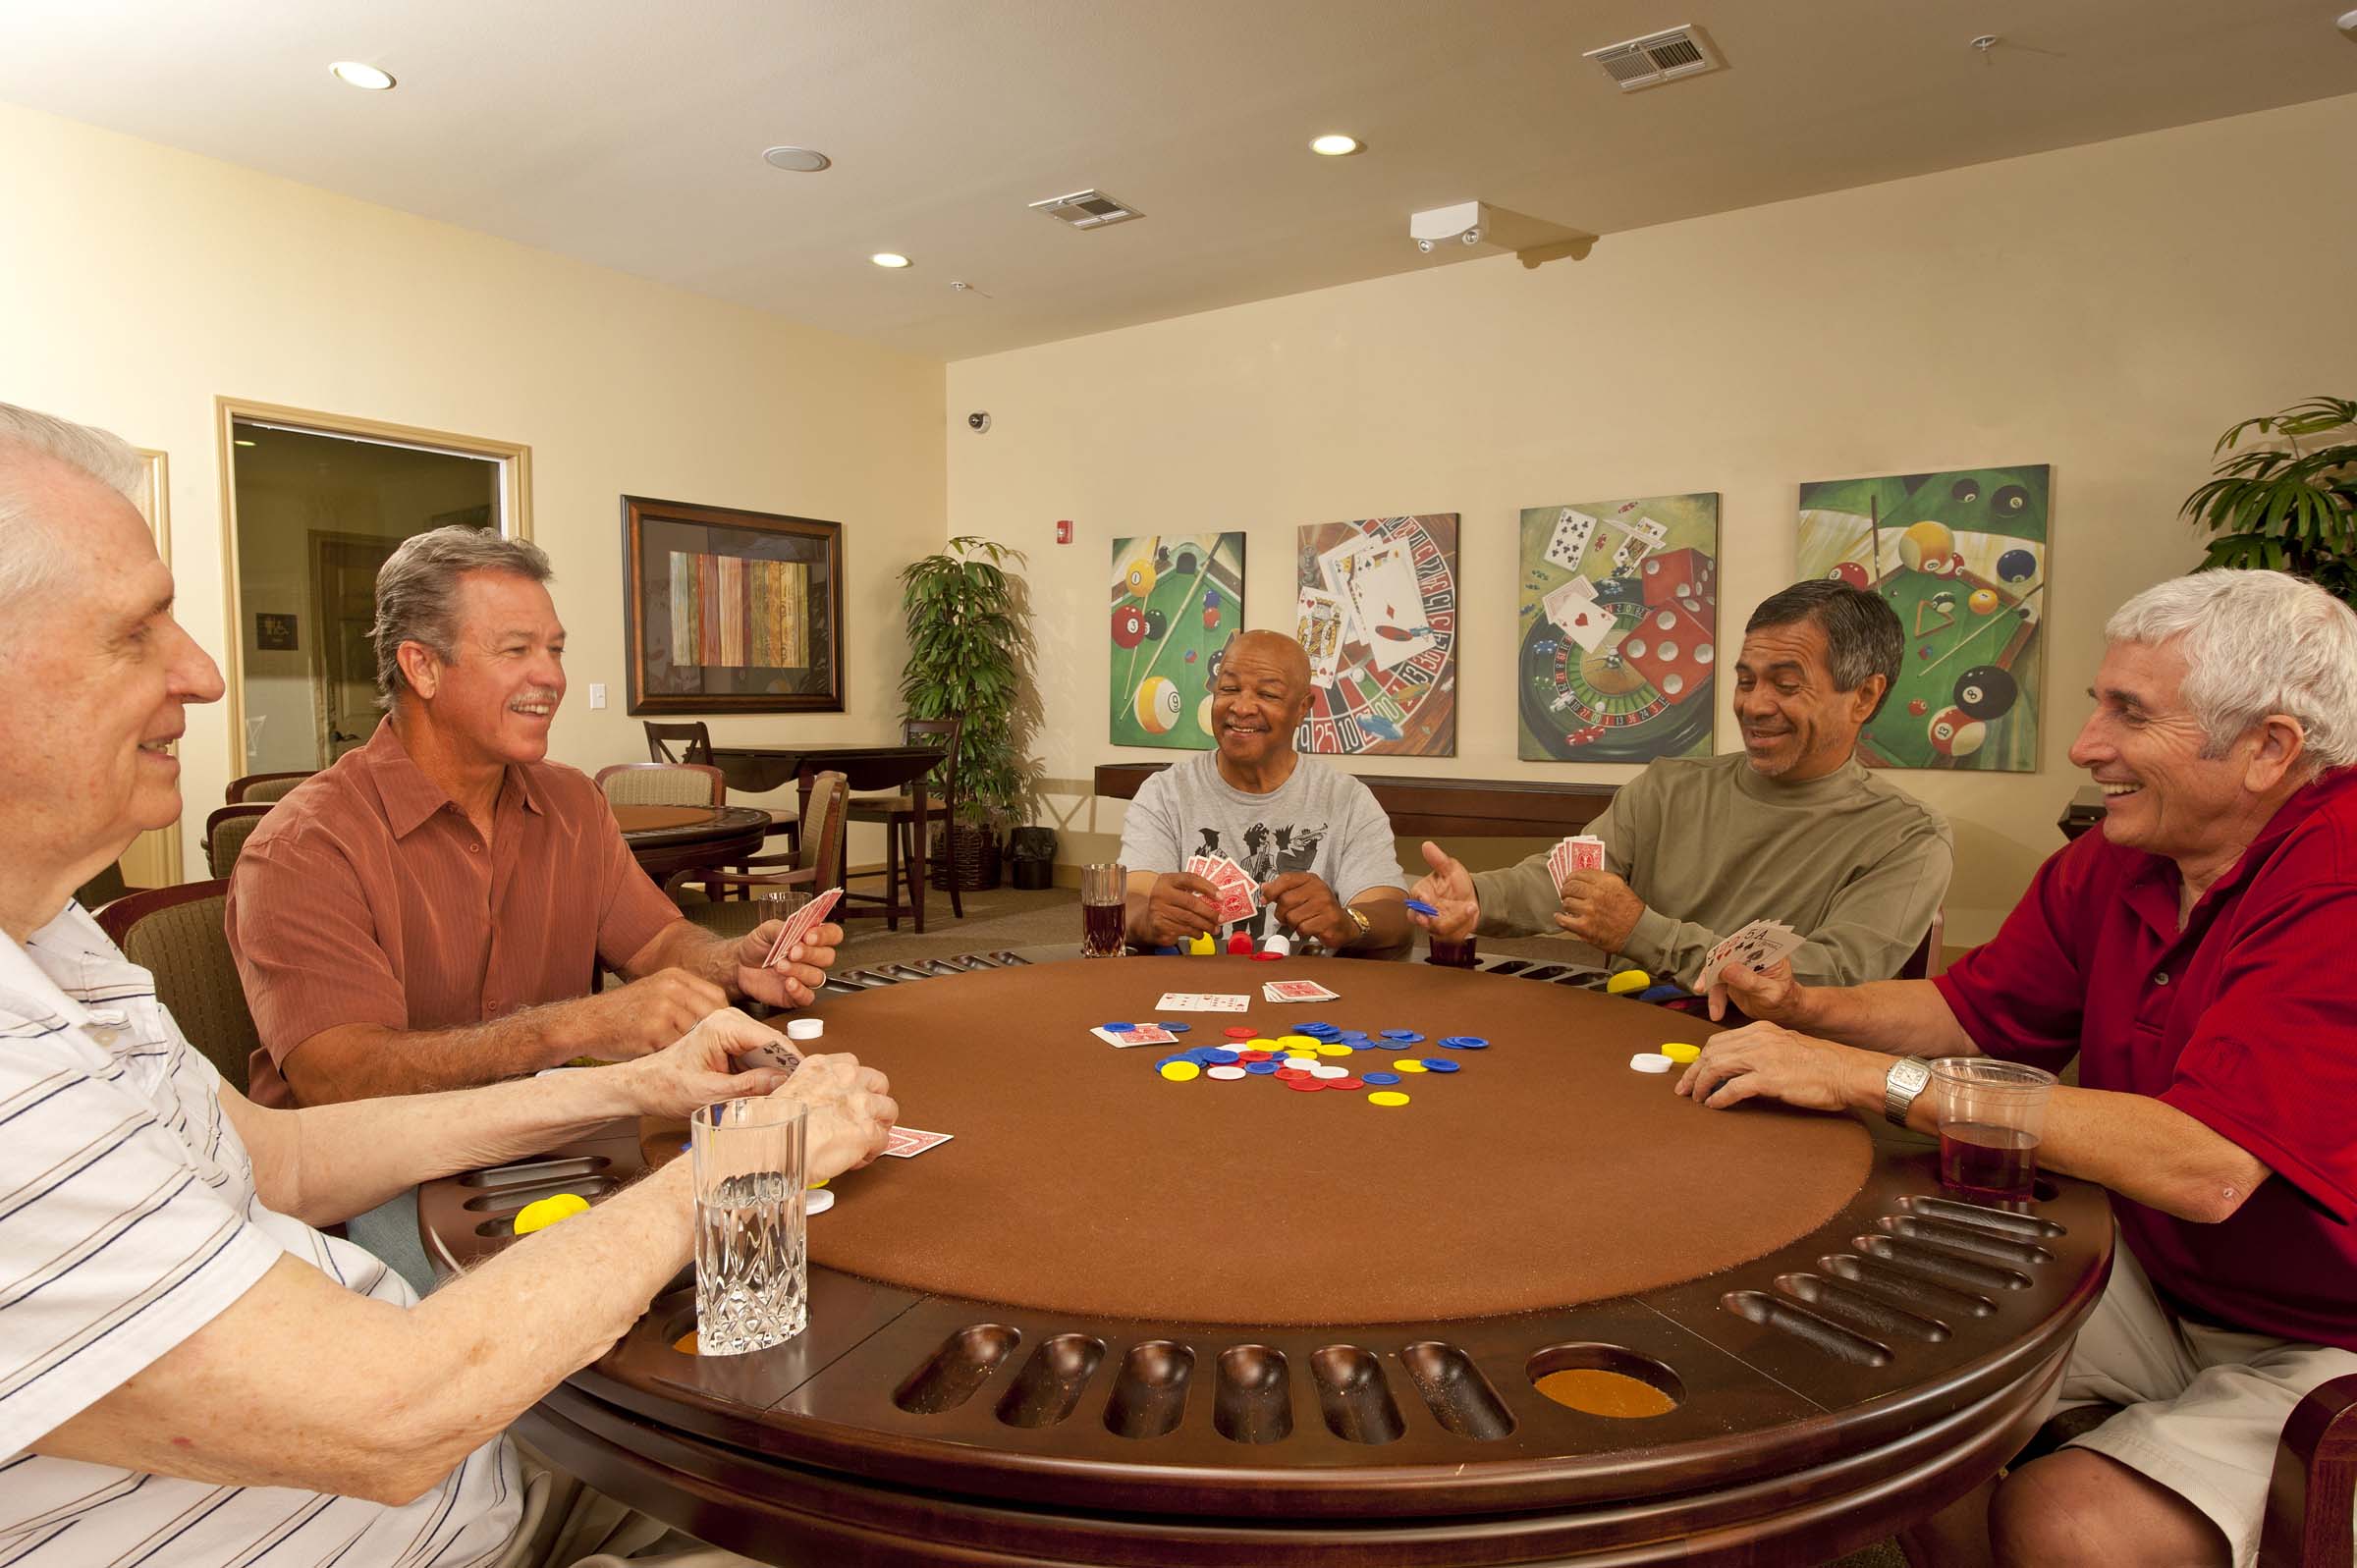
[226, 831]
[691, 741]
[898, 814]
[663, 784]
[260, 788]
[817, 866]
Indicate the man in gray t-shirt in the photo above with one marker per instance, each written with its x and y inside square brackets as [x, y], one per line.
[1311, 836]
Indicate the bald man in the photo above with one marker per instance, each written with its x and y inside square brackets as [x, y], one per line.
[1310, 834]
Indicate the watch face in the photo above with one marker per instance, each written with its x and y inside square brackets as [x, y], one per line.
[1909, 1073]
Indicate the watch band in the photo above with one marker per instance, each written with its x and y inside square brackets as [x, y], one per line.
[1907, 1080]
[1359, 918]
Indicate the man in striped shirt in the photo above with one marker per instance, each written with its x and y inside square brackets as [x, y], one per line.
[166, 1305]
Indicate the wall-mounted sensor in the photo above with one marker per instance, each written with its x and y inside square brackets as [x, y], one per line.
[977, 422]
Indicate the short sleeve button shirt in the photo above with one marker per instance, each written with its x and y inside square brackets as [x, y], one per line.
[128, 1220]
[2241, 1019]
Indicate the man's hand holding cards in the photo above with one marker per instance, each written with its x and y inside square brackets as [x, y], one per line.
[786, 965]
[1184, 905]
[1236, 896]
[1760, 946]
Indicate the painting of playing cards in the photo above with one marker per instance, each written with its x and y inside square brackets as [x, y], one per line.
[1961, 557]
[1619, 634]
[1176, 600]
[1377, 609]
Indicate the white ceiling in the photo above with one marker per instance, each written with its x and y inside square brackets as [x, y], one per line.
[628, 133]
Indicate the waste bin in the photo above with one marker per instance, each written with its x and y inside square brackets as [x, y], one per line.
[1032, 857]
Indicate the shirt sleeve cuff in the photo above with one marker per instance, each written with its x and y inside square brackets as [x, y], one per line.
[2321, 1190]
[1648, 946]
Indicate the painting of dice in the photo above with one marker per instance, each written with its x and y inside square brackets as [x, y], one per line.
[1676, 575]
[1670, 647]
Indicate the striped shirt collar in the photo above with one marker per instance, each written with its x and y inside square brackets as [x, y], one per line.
[71, 970]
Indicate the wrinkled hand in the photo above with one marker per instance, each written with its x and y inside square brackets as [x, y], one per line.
[1766, 1060]
[852, 1112]
[1180, 907]
[1450, 889]
[641, 1018]
[1600, 909]
[1769, 995]
[805, 964]
[1304, 904]
[698, 1067]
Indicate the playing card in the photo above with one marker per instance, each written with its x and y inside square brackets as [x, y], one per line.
[1201, 1001]
[1570, 541]
[906, 1143]
[1239, 896]
[1334, 570]
[1298, 990]
[1654, 533]
[1142, 1035]
[771, 1054]
[1631, 554]
[1574, 608]
[800, 923]
[1586, 851]
[1319, 621]
[1390, 606]
[1756, 947]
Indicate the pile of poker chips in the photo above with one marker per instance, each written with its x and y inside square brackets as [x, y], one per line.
[1312, 1059]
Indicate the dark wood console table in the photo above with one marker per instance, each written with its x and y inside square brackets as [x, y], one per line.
[1435, 808]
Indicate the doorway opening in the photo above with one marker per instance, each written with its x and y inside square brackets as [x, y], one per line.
[316, 504]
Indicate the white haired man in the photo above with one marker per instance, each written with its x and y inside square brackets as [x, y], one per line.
[166, 1306]
[2190, 955]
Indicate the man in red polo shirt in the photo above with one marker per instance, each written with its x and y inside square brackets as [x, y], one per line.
[2190, 956]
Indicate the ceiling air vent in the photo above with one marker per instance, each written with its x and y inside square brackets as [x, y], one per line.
[1086, 209]
[1660, 57]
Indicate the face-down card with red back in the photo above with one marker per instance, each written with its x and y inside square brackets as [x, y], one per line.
[801, 924]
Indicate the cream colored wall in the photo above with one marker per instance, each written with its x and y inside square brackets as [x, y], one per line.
[2107, 310]
[141, 281]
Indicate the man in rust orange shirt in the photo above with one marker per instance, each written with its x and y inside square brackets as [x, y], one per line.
[426, 914]
[2192, 957]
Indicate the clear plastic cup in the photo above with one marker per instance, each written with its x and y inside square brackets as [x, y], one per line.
[1992, 1115]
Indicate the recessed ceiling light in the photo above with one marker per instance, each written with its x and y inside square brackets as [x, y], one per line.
[796, 160]
[889, 258]
[352, 73]
[1334, 144]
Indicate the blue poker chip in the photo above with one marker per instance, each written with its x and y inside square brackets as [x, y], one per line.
[1354, 1037]
[1403, 1036]
[1440, 1065]
[1177, 1028]
[1311, 1027]
[1421, 908]
[1167, 952]
[1379, 1077]
[1261, 1070]
[1464, 1042]
[1167, 1061]
[1117, 1028]
[1215, 1058]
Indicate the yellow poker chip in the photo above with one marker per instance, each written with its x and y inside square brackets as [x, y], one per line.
[1299, 1045]
[1334, 1051]
[1180, 1071]
[546, 1212]
[1679, 1051]
[1409, 1064]
[1264, 1043]
[1628, 980]
[1386, 1097]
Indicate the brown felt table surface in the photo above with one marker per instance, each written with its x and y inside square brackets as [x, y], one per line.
[1543, 1175]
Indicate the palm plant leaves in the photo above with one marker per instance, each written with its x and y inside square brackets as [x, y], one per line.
[968, 646]
[2284, 507]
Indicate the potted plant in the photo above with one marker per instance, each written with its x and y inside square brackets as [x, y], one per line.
[970, 649]
[2284, 506]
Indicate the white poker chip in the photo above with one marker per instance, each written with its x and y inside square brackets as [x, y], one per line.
[1650, 1061]
[1330, 1070]
[1305, 1063]
[817, 1201]
[1226, 1072]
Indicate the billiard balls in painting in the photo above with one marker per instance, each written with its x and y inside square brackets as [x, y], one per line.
[1986, 692]
[1140, 578]
[1157, 705]
[1983, 601]
[1203, 716]
[1211, 618]
[1956, 734]
[1923, 544]
[1187, 559]
[1129, 626]
[1851, 572]
[1918, 708]
[1944, 601]
[2017, 566]
[1156, 625]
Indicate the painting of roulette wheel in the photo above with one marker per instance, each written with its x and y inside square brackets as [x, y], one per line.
[1175, 600]
[1393, 580]
[1598, 705]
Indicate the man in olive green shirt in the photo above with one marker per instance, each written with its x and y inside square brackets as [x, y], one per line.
[1792, 828]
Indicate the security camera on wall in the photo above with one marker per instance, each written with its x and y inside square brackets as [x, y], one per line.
[1461, 224]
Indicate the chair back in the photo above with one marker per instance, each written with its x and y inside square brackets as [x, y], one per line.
[693, 739]
[260, 788]
[226, 831]
[1927, 960]
[175, 935]
[914, 730]
[821, 848]
[662, 784]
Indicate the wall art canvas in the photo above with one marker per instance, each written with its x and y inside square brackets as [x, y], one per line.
[1961, 557]
[1176, 600]
[730, 611]
[1619, 631]
[1381, 596]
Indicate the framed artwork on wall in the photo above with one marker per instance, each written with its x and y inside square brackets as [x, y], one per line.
[1176, 600]
[1376, 600]
[730, 611]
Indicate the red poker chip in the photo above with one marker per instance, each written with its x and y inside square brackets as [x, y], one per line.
[1254, 1055]
[1293, 1075]
[1304, 1083]
[1266, 957]
[1344, 1083]
[1241, 1032]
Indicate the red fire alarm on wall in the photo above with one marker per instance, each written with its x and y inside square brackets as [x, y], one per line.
[1063, 530]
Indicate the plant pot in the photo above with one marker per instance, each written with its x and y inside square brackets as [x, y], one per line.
[971, 857]
[1031, 875]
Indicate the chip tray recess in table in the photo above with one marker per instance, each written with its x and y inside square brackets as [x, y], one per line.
[1771, 1326]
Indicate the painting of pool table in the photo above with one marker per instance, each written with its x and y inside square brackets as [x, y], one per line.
[1961, 557]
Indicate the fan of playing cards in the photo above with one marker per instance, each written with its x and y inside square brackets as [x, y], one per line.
[1240, 894]
[1755, 946]
[799, 925]
[1581, 852]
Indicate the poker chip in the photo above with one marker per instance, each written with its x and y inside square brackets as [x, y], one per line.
[1182, 1071]
[1300, 1062]
[1240, 1031]
[1378, 1077]
[1117, 1028]
[1224, 1073]
[1627, 981]
[1386, 1097]
[1327, 1070]
[1253, 1056]
[1337, 1050]
[1387, 1034]
[1177, 1028]
[1421, 908]
[1304, 1084]
[1266, 957]
[1261, 1068]
[1440, 1065]
[1464, 1042]
[1679, 1051]
[1408, 1065]
[1649, 1061]
[1219, 1059]
[1316, 1026]
[1345, 1083]
[1295, 1041]
[817, 1203]
[1356, 1037]
[1264, 1043]
[1292, 1074]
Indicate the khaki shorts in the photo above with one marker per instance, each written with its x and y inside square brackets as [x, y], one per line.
[568, 1525]
[2204, 1406]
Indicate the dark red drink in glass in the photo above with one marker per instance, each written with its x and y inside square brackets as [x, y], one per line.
[1101, 931]
[1988, 1164]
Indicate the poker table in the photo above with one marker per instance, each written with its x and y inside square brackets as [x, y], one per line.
[1121, 1318]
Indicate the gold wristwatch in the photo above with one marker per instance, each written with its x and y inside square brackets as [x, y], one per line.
[1359, 918]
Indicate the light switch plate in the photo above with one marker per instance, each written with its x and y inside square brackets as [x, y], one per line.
[597, 695]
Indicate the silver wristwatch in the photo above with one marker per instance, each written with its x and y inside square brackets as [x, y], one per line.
[1908, 1077]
